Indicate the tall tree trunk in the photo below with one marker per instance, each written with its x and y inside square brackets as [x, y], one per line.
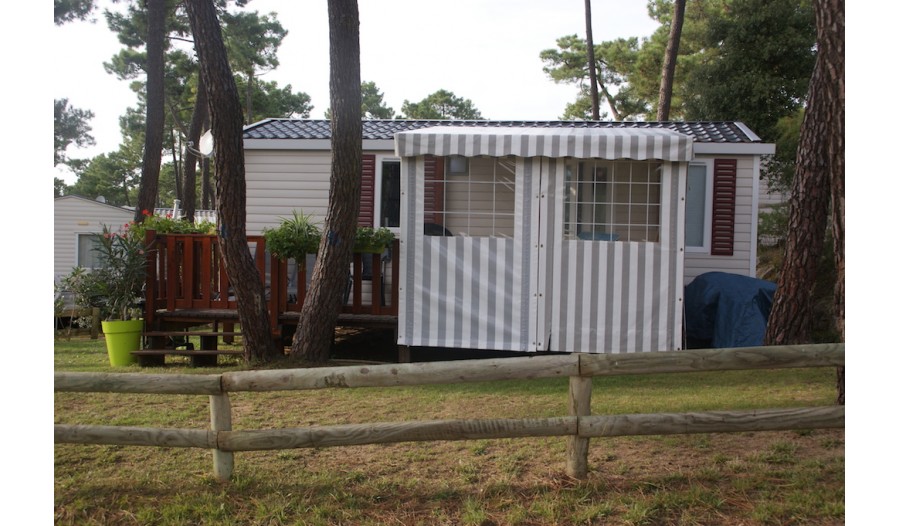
[830, 43]
[227, 129]
[592, 64]
[668, 71]
[190, 158]
[820, 161]
[315, 326]
[155, 122]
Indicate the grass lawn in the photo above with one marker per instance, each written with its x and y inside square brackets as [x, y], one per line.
[792, 477]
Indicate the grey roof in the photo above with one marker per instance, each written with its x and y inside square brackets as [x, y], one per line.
[703, 131]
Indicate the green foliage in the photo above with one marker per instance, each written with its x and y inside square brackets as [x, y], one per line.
[168, 225]
[773, 225]
[70, 10]
[614, 60]
[779, 170]
[115, 287]
[270, 100]
[114, 175]
[757, 70]
[441, 104]
[294, 237]
[373, 106]
[747, 60]
[70, 126]
[252, 40]
[372, 240]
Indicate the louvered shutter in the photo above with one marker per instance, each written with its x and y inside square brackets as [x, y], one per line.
[434, 189]
[723, 209]
[367, 192]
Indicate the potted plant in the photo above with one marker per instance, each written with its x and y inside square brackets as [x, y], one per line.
[294, 238]
[116, 288]
[372, 240]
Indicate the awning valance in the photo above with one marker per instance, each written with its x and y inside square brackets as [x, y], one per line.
[582, 143]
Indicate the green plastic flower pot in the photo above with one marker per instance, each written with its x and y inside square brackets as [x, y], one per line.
[122, 337]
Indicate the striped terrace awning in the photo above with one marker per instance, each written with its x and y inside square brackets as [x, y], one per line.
[582, 143]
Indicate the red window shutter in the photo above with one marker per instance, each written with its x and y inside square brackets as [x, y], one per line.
[724, 196]
[434, 189]
[367, 192]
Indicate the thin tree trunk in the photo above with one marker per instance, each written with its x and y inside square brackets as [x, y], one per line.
[819, 158]
[668, 71]
[315, 326]
[155, 122]
[249, 97]
[190, 158]
[175, 164]
[206, 189]
[592, 64]
[227, 129]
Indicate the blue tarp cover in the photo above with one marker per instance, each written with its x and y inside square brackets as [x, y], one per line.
[726, 310]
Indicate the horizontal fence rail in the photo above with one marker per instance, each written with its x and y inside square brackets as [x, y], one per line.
[579, 426]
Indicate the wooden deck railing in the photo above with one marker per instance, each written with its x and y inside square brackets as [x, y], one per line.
[187, 272]
[579, 426]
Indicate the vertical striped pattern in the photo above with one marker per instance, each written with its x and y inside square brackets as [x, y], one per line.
[537, 291]
[583, 143]
[462, 292]
[618, 297]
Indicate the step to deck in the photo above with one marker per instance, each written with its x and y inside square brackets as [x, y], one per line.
[156, 357]
[190, 333]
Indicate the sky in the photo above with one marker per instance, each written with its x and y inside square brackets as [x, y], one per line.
[483, 50]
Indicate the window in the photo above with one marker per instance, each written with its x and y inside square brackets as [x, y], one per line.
[612, 201]
[457, 165]
[389, 187]
[696, 208]
[479, 201]
[87, 256]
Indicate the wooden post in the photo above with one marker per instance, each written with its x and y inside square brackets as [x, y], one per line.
[576, 446]
[220, 420]
[95, 323]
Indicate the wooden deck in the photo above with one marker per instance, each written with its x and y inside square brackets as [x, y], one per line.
[188, 294]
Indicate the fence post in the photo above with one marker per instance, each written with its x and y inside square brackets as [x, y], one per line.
[579, 405]
[95, 323]
[220, 420]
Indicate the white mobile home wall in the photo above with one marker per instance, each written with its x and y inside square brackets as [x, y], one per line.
[743, 261]
[74, 215]
[284, 180]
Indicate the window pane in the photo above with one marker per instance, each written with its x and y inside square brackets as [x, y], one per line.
[608, 201]
[482, 203]
[390, 194]
[87, 253]
[695, 206]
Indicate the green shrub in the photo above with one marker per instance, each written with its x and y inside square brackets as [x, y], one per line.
[294, 238]
[168, 225]
[372, 240]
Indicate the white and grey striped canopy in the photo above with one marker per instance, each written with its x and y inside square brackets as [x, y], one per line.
[583, 143]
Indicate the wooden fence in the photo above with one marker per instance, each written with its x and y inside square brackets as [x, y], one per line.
[579, 426]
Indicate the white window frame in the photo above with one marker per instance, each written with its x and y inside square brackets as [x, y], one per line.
[376, 213]
[707, 212]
